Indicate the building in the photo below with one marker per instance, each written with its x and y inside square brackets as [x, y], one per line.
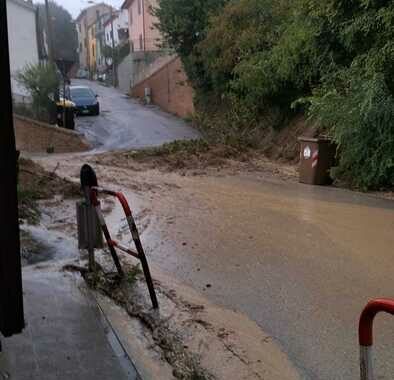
[119, 24]
[150, 68]
[92, 49]
[99, 37]
[22, 35]
[143, 34]
[84, 23]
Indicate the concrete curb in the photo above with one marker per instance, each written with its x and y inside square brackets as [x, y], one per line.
[129, 333]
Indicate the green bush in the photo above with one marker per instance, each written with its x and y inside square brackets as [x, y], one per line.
[360, 116]
[42, 82]
[250, 60]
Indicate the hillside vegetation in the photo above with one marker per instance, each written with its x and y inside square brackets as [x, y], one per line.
[255, 64]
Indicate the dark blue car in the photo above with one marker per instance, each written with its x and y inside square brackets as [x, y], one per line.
[85, 100]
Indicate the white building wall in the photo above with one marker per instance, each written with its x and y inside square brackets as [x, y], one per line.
[120, 22]
[22, 35]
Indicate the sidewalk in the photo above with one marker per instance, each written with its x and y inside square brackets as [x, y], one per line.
[66, 336]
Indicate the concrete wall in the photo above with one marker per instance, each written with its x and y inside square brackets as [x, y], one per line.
[125, 74]
[22, 35]
[169, 88]
[35, 137]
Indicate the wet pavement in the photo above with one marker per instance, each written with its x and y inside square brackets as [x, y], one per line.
[126, 124]
[66, 335]
[301, 261]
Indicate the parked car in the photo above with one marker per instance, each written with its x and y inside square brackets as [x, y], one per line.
[85, 100]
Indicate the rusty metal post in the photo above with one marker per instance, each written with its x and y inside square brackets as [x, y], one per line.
[88, 180]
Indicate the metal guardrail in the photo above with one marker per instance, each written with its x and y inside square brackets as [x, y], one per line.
[365, 333]
[92, 191]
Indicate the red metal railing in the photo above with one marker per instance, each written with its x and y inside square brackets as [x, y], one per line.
[365, 333]
[113, 244]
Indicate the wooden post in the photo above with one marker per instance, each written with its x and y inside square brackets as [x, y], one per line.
[11, 295]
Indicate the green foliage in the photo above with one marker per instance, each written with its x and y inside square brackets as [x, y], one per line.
[133, 274]
[250, 60]
[64, 32]
[42, 82]
[119, 53]
[244, 28]
[359, 110]
[355, 98]
[183, 23]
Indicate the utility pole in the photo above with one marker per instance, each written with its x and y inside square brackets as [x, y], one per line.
[114, 64]
[51, 54]
[11, 294]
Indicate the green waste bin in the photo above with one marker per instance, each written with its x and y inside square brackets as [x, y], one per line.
[69, 108]
[317, 157]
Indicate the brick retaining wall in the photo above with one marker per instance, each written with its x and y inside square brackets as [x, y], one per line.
[35, 137]
[170, 89]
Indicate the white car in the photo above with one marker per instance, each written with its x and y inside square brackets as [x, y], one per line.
[82, 74]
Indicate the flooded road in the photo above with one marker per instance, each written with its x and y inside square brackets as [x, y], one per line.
[126, 124]
[300, 261]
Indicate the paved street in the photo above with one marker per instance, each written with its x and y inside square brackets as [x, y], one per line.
[126, 124]
[301, 261]
[66, 336]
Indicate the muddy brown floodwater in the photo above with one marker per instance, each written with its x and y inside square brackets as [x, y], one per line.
[301, 261]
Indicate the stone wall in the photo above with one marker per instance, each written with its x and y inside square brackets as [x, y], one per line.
[169, 89]
[35, 137]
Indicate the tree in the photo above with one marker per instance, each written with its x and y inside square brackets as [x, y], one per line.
[119, 53]
[183, 24]
[64, 33]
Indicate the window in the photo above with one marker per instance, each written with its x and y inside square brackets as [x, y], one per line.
[139, 6]
[131, 16]
[79, 27]
[93, 51]
[80, 47]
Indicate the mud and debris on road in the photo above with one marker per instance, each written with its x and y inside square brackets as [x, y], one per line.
[267, 246]
[194, 338]
[191, 337]
[239, 229]
[198, 158]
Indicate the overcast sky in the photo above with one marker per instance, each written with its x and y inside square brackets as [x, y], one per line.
[75, 6]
